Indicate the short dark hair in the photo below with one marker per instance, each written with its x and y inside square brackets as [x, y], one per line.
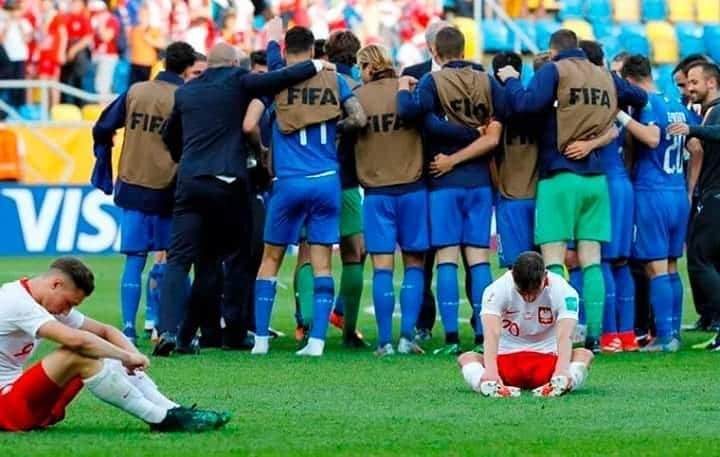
[622, 56]
[637, 66]
[78, 272]
[563, 39]
[709, 69]
[540, 59]
[200, 57]
[342, 47]
[685, 64]
[594, 52]
[503, 59]
[450, 43]
[299, 40]
[320, 48]
[178, 57]
[258, 58]
[528, 271]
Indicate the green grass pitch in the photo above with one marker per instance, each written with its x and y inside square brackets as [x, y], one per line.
[350, 403]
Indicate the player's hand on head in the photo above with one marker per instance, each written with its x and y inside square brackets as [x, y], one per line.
[507, 72]
[578, 149]
[441, 164]
[678, 129]
[275, 29]
[136, 362]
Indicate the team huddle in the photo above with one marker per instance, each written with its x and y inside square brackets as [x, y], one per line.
[435, 152]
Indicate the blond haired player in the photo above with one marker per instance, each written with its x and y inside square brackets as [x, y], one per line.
[528, 316]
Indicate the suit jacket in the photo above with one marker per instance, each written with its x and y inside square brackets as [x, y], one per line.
[419, 70]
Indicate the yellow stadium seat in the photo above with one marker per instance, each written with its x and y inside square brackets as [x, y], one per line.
[469, 29]
[708, 11]
[663, 42]
[582, 28]
[626, 10]
[91, 112]
[157, 68]
[682, 10]
[65, 112]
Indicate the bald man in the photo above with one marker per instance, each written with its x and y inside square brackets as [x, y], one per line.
[211, 218]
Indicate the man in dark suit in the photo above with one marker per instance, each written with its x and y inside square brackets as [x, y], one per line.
[419, 70]
[212, 217]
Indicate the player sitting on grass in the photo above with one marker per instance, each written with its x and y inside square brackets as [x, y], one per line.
[528, 318]
[92, 354]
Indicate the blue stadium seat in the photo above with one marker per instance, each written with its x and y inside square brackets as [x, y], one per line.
[496, 36]
[664, 81]
[572, 9]
[633, 39]
[605, 29]
[543, 29]
[712, 41]
[527, 73]
[121, 76]
[690, 37]
[654, 10]
[611, 47]
[529, 28]
[30, 112]
[598, 10]
[88, 81]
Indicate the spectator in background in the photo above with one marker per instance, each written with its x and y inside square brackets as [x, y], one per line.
[125, 14]
[145, 42]
[52, 39]
[179, 20]
[80, 38]
[15, 34]
[258, 62]
[319, 51]
[105, 54]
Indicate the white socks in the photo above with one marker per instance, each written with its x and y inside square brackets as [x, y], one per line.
[112, 386]
[578, 373]
[473, 372]
[262, 345]
[314, 348]
[145, 385]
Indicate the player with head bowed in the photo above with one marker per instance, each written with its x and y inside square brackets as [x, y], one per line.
[91, 354]
[528, 315]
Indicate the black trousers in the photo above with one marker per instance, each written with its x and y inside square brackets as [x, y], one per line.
[703, 254]
[72, 74]
[210, 226]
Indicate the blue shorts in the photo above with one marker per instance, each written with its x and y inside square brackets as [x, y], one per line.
[301, 201]
[142, 232]
[392, 220]
[515, 221]
[622, 202]
[461, 216]
[661, 218]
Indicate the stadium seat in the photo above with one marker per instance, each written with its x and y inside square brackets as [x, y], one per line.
[712, 41]
[681, 10]
[572, 9]
[88, 81]
[611, 47]
[30, 112]
[65, 112]
[633, 40]
[581, 27]
[663, 42]
[626, 10]
[496, 36]
[690, 37]
[469, 29]
[708, 11]
[654, 10]
[598, 10]
[529, 29]
[527, 73]
[543, 29]
[665, 83]
[91, 112]
[605, 29]
[121, 76]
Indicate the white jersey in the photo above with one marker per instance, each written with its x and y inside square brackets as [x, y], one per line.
[530, 326]
[20, 318]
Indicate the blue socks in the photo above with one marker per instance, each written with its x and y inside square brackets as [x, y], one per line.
[384, 301]
[609, 311]
[448, 297]
[576, 281]
[264, 298]
[677, 289]
[152, 292]
[411, 297]
[323, 302]
[661, 300]
[481, 278]
[131, 288]
[624, 298]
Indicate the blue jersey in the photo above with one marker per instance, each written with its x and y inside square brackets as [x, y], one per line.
[308, 151]
[612, 158]
[661, 168]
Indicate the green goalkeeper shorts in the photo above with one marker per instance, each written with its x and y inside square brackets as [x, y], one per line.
[351, 222]
[572, 207]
